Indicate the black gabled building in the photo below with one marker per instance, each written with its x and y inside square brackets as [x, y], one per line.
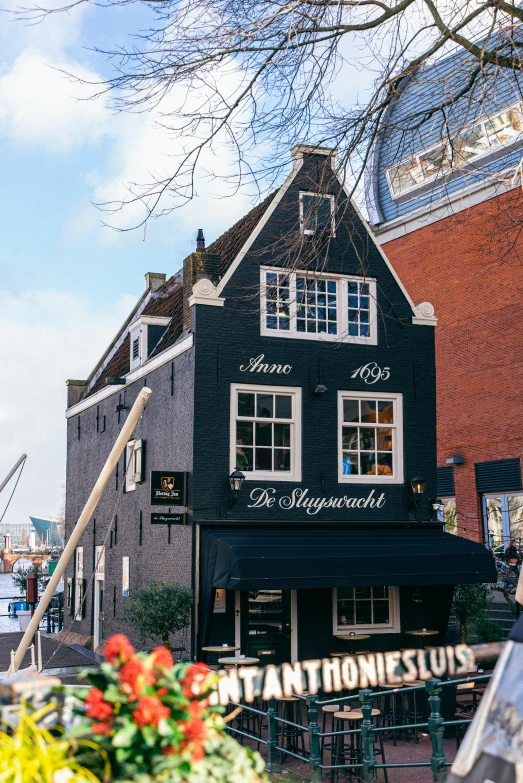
[289, 351]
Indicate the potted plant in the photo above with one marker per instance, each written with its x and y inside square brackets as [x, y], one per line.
[159, 609]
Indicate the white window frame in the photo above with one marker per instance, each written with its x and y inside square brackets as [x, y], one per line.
[139, 329]
[393, 627]
[448, 144]
[294, 474]
[330, 197]
[397, 438]
[342, 308]
[79, 575]
[133, 464]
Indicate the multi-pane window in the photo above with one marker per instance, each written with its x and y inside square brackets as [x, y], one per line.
[370, 437]
[366, 608]
[264, 431]
[481, 138]
[318, 306]
[317, 213]
[359, 309]
[448, 516]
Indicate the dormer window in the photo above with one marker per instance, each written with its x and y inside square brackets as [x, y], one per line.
[145, 333]
[317, 214]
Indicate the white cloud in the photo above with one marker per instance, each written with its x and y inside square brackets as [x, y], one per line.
[41, 107]
[47, 336]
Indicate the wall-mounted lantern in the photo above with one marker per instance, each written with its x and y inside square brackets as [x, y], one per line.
[236, 480]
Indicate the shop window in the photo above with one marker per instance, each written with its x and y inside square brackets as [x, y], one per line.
[79, 583]
[321, 307]
[265, 432]
[317, 214]
[366, 609]
[503, 517]
[448, 515]
[370, 438]
[134, 464]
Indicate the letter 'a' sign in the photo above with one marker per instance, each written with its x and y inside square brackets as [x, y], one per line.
[168, 488]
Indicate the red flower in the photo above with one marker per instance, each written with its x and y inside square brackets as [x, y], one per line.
[150, 712]
[134, 677]
[97, 708]
[118, 648]
[162, 658]
[101, 728]
[162, 692]
[196, 680]
[197, 752]
[170, 750]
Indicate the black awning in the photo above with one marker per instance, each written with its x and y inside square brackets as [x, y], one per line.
[304, 559]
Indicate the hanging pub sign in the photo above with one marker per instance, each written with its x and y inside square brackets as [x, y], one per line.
[168, 519]
[168, 488]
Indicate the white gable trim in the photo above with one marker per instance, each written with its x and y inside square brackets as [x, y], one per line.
[141, 372]
[298, 163]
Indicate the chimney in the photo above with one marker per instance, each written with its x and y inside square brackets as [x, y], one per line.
[154, 280]
[75, 389]
[197, 266]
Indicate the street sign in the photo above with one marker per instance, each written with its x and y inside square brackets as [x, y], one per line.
[168, 488]
[168, 519]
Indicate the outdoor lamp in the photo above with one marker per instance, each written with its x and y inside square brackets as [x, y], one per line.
[236, 480]
[418, 487]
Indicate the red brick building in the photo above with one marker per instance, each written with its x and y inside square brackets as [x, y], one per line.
[455, 237]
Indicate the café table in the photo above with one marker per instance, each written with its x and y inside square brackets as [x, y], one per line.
[238, 660]
[219, 648]
[422, 632]
[353, 638]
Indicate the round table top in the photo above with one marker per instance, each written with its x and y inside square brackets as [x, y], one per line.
[422, 632]
[347, 654]
[354, 714]
[224, 648]
[355, 637]
[238, 659]
[414, 682]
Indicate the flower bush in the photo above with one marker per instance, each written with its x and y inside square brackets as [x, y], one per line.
[153, 719]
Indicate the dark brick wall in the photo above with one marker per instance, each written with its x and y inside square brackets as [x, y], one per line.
[167, 428]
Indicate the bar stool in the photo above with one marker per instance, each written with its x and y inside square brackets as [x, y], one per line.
[391, 707]
[415, 707]
[291, 736]
[327, 709]
[343, 754]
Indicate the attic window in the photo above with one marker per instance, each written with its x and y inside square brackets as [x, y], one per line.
[317, 214]
[136, 348]
[145, 335]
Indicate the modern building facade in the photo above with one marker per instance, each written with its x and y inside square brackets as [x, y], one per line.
[445, 204]
[290, 352]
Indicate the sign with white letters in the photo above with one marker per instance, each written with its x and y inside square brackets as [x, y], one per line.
[299, 498]
[371, 372]
[258, 365]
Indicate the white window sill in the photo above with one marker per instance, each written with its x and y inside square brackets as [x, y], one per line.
[266, 476]
[327, 338]
[377, 480]
[371, 629]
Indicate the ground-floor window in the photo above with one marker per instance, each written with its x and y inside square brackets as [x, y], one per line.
[447, 515]
[503, 519]
[361, 609]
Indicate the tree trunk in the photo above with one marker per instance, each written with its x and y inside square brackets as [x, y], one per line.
[166, 642]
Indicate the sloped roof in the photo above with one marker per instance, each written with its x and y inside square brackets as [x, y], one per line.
[167, 301]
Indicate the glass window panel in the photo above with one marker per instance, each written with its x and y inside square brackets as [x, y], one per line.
[300, 325]
[384, 439]
[284, 324]
[263, 459]
[332, 328]
[470, 143]
[245, 404]
[363, 612]
[350, 438]
[272, 322]
[244, 433]
[345, 592]
[354, 316]
[368, 411]
[264, 406]
[368, 464]
[351, 410]
[436, 160]
[381, 612]
[380, 592]
[271, 279]
[263, 434]
[283, 406]
[331, 286]
[363, 592]
[282, 459]
[515, 513]
[405, 175]
[494, 522]
[353, 330]
[449, 516]
[282, 435]
[364, 331]
[367, 438]
[385, 466]
[385, 411]
[350, 464]
[244, 458]
[503, 127]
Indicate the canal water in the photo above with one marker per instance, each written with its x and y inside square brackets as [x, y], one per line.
[7, 591]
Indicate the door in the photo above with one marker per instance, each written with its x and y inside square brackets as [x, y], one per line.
[503, 515]
[266, 625]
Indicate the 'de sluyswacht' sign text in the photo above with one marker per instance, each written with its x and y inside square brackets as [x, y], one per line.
[300, 498]
[168, 488]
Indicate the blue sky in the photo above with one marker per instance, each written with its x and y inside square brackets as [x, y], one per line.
[66, 282]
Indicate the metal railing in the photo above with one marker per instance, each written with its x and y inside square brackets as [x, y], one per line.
[366, 766]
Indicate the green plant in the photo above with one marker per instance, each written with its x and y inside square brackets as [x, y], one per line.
[20, 577]
[29, 753]
[159, 609]
[470, 606]
[155, 722]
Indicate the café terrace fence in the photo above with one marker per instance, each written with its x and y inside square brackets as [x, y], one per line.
[365, 769]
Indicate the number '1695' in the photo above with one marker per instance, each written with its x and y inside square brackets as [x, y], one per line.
[370, 373]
